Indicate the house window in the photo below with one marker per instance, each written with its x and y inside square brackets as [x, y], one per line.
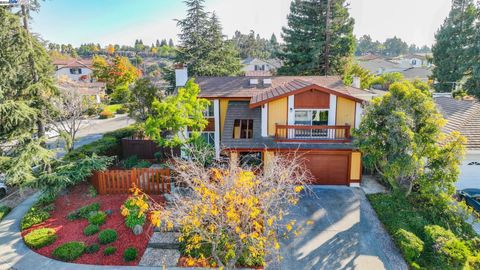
[209, 112]
[209, 137]
[259, 67]
[75, 71]
[311, 118]
[243, 129]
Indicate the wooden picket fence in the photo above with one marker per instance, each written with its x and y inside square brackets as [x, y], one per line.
[150, 181]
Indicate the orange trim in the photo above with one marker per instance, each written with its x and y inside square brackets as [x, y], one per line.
[304, 89]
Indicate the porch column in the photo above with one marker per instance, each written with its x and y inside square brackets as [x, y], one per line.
[358, 114]
[216, 113]
[265, 120]
[332, 113]
[291, 110]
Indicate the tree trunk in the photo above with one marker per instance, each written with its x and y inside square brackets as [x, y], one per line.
[40, 121]
[328, 36]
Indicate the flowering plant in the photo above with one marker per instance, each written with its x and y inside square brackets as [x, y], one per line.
[134, 209]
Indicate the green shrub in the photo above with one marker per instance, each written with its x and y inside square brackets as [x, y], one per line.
[40, 237]
[122, 110]
[92, 192]
[451, 250]
[134, 162]
[83, 212]
[410, 245]
[91, 229]
[108, 145]
[130, 254]
[109, 251]
[34, 216]
[92, 248]
[46, 199]
[107, 236]
[4, 210]
[69, 251]
[133, 218]
[106, 114]
[98, 218]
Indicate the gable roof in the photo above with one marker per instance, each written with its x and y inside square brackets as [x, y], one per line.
[73, 63]
[462, 116]
[240, 87]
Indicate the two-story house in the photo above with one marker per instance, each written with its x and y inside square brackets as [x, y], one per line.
[313, 116]
[74, 69]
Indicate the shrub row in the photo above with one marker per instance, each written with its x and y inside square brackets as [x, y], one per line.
[97, 218]
[108, 145]
[40, 237]
[34, 216]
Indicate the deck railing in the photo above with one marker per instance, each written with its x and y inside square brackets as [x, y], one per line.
[312, 134]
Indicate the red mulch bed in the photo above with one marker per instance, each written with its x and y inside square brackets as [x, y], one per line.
[73, 230]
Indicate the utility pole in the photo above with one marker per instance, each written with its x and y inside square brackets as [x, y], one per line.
[328, 36]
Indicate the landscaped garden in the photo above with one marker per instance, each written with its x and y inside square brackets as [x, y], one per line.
[82, 227]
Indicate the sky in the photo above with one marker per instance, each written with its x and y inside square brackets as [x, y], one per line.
[124, 21]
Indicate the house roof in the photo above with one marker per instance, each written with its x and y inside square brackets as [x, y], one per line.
[240, 87]
[73, 63]
[259, 73]
[83, 88]
[417, 73]
[377, 65]
[462, 116]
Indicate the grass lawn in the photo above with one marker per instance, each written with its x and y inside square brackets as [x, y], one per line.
[113, 108]
[396, 212]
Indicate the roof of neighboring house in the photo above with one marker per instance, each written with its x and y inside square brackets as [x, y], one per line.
[259, 73]
[276, 63]
[379, 64]
[462, 116]
[73, 63]
[417, 73]
[240, 87]
[83, 88]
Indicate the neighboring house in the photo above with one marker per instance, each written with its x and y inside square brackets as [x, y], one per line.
[413, 60]
[421, 73]
[92, 89]
[260, 67]
[74, 69]
[254, 118]
[464, 116]
[378, 65]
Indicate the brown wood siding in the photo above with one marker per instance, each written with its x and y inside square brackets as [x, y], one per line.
[312, 99]
[211, 124]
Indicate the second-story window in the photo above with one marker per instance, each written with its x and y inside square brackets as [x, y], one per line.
[75, 71]
[208, 113]
[243, 129]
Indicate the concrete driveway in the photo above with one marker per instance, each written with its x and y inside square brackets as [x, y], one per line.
[345, 234]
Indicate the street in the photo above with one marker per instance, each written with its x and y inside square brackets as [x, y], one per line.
[91, 130]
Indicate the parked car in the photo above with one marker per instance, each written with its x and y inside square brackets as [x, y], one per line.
[3, 186]
[471, 197]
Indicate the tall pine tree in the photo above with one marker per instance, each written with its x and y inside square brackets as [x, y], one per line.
[450, 56]
[202, 44]
[318, 39]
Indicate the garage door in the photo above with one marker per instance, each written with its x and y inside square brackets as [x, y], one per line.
[328, 169]
[469, 172]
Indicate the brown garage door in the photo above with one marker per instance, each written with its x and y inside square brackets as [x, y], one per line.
[328, 169]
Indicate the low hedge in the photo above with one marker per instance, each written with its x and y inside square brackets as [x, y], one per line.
[34, 216]
[107, 236]
[93, 248]
[108, 145]
[69, 251]
[4, 210]
[83, 212]
[40, 238]
[410, 245]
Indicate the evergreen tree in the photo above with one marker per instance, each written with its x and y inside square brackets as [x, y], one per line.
[319, 37]
[163, 43]
[170, 43]
[202, 44]
[157, 44]
[395, 47]
[25, 90]
[450, 57]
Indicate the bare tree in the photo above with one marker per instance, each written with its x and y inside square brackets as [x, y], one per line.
[236, 211]
[69, 108]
